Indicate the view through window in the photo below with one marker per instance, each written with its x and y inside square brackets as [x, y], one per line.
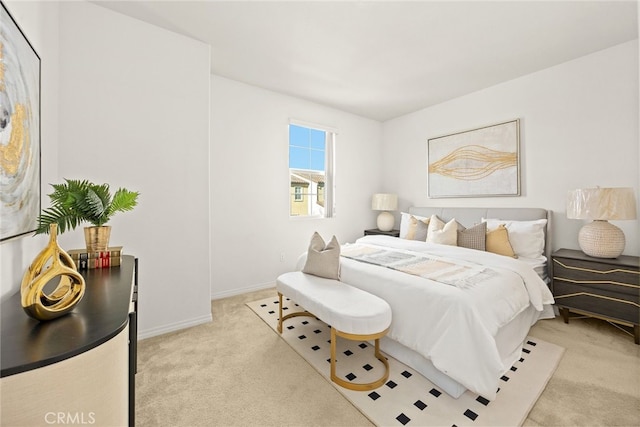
[310, 171]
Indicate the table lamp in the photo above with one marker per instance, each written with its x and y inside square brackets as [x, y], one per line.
[385, 203]
[599, 238]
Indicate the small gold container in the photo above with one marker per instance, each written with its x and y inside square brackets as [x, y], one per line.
[97, 238]
[51, 264]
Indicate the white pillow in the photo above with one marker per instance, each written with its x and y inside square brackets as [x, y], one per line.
[444, 234]
[413, 227]
[526, 237]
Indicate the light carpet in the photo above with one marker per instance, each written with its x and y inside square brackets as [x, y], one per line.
[408, 398]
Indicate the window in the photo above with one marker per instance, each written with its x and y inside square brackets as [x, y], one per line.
[310, 171]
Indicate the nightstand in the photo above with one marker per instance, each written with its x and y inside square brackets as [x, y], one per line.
[604, 288]
[372, 231]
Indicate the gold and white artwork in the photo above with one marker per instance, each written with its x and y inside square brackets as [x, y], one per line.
[477, 163]
[19, 131]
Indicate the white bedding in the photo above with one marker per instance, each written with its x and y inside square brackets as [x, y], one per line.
[452, 327]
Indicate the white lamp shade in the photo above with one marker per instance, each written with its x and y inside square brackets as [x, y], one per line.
[384, 202]
[601, 204]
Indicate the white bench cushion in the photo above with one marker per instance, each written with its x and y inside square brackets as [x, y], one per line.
[348, 309]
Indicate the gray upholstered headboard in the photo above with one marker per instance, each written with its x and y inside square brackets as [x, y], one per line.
[471, 216]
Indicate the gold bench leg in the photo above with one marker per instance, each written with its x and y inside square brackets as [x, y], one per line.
[290, 315]
[354, 337]
[359, 386]
[279, 313]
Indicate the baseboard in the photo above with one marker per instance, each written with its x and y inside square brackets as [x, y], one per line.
[161, 330]
[148, 333]
[239, 291]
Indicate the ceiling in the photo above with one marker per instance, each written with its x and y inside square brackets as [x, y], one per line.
[383, 59]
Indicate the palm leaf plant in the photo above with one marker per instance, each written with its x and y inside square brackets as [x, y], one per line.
[75, 202]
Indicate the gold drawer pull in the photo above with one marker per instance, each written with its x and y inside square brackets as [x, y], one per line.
[597, 282]
[577, 294]
[615, 270]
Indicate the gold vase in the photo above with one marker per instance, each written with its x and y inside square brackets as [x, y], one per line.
[51, 264]
[97, 238]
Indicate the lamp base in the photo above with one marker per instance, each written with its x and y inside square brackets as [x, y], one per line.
[385, 221]
[601, 239]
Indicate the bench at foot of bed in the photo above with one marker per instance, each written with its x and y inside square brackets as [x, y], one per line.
[352, 313]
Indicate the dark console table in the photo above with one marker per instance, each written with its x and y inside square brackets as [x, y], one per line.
[85, 356]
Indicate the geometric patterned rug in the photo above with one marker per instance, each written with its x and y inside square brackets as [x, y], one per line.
[408, 398]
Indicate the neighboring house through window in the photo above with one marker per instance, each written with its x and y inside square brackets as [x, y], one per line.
[311, 164]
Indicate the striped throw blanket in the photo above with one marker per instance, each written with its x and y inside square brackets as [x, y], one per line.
[434, 268]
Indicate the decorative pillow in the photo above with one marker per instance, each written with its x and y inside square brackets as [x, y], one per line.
[413, 227]
[498, 242]
[473, 237]
[526, 237]
[439, 232]
[323, 261]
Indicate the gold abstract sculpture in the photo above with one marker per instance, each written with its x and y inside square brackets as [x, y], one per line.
[51, 264]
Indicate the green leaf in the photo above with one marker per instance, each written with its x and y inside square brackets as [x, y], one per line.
[95, 208]
[76, 201]
[65, 219]
[123, 200]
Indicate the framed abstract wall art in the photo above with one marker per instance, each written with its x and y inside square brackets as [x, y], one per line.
[19, 130]
[482, 162]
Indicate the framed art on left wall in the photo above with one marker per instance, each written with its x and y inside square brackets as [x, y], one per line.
[19, 130]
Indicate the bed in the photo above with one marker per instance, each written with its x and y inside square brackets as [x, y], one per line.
[464, 330]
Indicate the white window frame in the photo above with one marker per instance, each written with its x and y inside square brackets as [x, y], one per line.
[329, 190]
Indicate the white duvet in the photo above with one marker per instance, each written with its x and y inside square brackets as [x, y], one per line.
[453, 327]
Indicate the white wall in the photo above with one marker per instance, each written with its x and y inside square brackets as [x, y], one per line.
[39, 22]
[128, 103]
[579, 128]
[134, 112]
[251, 227]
